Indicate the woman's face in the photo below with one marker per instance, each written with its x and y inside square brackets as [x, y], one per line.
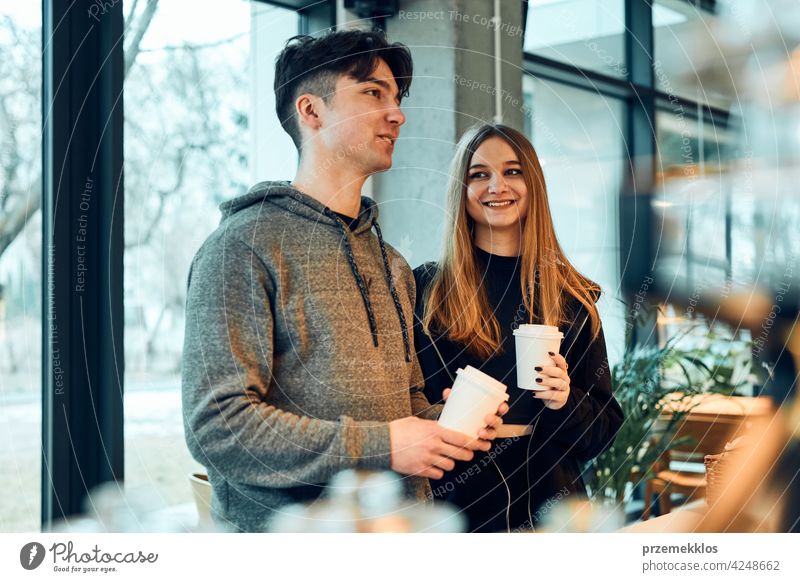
[497, 197]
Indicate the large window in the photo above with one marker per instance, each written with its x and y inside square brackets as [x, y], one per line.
[728, 154]
[581, 33]
[579, 138]
[695, 196]
[20, 265]
[189, 145]
[690, 55]
[712, 232]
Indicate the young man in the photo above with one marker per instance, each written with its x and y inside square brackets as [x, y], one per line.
[298, 356]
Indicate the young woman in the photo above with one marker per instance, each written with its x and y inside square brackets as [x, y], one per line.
[501, 267]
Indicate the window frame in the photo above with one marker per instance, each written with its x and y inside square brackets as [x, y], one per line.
[83, 361]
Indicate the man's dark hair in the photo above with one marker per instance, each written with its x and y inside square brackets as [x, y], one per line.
[312, 65]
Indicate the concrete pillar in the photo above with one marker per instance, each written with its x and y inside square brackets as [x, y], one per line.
[453, 45]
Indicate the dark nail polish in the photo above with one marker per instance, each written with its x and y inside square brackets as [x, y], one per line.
[538, 368]
[551, 353]
[539, 380]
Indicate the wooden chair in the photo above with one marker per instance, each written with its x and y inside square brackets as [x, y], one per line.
[712, 420]
[709, 436]
[201, 489]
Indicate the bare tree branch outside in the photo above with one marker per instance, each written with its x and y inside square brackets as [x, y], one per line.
[187, 143]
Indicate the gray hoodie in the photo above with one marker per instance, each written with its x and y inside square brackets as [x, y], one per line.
[297, 352]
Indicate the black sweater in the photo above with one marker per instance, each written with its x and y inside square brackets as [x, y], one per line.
[564, 439]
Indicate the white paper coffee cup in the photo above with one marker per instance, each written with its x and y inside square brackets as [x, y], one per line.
[474, 395]
[533, 342]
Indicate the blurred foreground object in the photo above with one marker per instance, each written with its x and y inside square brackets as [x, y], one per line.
[114, 508]
[367, 502]
[582, 516]
[706, 423]
[755, 491]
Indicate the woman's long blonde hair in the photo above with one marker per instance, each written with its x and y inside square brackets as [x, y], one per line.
[457, 305]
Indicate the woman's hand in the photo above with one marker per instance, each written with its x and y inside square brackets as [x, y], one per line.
[493, 420]
[556, 379]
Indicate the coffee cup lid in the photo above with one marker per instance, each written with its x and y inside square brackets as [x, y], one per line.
[534, 330]
[483, 379]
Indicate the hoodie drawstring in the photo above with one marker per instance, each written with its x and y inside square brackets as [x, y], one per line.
[390, 282]
[362, 287]
[373, 325]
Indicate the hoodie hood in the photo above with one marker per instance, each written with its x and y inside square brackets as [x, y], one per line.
[284, 195]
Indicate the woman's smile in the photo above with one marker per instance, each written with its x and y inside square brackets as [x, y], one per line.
[499, 203]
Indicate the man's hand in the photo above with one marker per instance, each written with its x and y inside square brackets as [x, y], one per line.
[425, 449]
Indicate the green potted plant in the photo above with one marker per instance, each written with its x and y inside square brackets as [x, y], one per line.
[647, 378]
[641, 390]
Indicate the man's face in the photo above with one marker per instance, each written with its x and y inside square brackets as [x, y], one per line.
[361, 122]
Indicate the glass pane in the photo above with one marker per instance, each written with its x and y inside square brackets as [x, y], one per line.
[689, 61]
[579, 138]
[693, 160]
[697, 202]
[188, 146]
[20, 266]
[583, 33]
